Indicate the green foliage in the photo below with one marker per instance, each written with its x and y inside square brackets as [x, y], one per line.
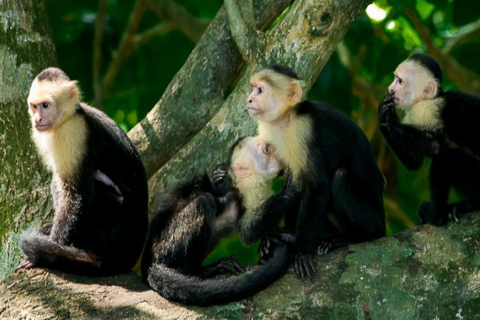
[374, 49]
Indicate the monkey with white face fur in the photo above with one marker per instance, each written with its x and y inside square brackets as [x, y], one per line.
[331, 164]
[99, 185]
[437, 124]
[195, 215]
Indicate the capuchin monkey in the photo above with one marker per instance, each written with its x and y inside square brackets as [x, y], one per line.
[191, 219]
[438, 124]
[331, 163]
[99, 185]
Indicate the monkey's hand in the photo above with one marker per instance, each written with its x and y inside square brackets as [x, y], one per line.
[385, 110]
[435, 145]
[304, 265]
[267, 243]
[221, 179]
[229, 264]
[287, 180]
[25, 264]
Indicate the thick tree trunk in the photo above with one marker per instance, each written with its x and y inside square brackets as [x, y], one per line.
[429, 273]
[25, 49]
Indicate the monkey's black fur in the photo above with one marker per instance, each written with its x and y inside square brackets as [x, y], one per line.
[342, 186]
[454, 149]
[180, 238]
[95, 231]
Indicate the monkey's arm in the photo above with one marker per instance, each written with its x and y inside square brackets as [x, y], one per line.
[69, 204]
[388, 121]
[103, 178]
[265, 219]
[311, 223]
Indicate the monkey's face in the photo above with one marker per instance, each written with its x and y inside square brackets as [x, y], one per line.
[255, 157]
[51, 103]
[272, 95]
[412, 83]
[42, 107]
[263, 103]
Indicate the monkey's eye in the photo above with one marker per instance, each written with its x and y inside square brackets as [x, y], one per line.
[259, 90]
[45, 105]
[34, 106]
[266, 148]
[400, 80]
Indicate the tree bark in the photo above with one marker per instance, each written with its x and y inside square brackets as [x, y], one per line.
[304, 39]
[197, 91]
[429, 273]
[26, 48]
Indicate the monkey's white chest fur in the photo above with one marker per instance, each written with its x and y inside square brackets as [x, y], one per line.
[290, 140]
[425, 115]
[63, 150]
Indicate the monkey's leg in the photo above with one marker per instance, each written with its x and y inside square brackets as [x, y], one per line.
[358, 213]
[436, 211]
[41, 251]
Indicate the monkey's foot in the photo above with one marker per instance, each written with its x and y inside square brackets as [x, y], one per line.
[324, 247]
[267, 243]
[25, 264]
[462, 207]
[427, 214]
[304, 266]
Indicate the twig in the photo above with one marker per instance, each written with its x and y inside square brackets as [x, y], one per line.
[125, 48]
[97, 53]
[251, 43]
[142, 38]
[467, 33]
[179, 17]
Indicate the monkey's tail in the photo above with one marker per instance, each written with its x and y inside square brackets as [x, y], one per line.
[190, 290]
[43, 252]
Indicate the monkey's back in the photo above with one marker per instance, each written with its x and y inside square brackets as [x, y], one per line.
[122, 227]
[339, 142]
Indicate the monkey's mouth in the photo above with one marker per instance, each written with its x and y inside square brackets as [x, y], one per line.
[42, 127]
[254, 111]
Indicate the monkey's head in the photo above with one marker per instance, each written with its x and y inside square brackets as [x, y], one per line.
[275, 91]
[252, 164]
[416, 79]
[252, 156]
[52, 100]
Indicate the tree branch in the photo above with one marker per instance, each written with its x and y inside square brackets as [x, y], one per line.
[125, 47]
[179, 17]
[197, 91]
[467, 33]
[97, 54]
[467, 80]
[242, 24]
[423, 273]
[142, 38]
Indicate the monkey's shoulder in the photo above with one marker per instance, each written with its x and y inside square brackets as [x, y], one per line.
[104, 134]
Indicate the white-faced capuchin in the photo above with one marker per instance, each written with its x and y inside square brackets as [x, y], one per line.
[437, 124]
[192, 217]
[331, 164]
[99, 185]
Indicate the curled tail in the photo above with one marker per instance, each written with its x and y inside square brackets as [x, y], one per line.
[191, 290]
[41, 251]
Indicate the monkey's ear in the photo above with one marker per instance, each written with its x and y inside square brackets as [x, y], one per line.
[73, 92]
[431, 89]
[241, 171]
[296, 93]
